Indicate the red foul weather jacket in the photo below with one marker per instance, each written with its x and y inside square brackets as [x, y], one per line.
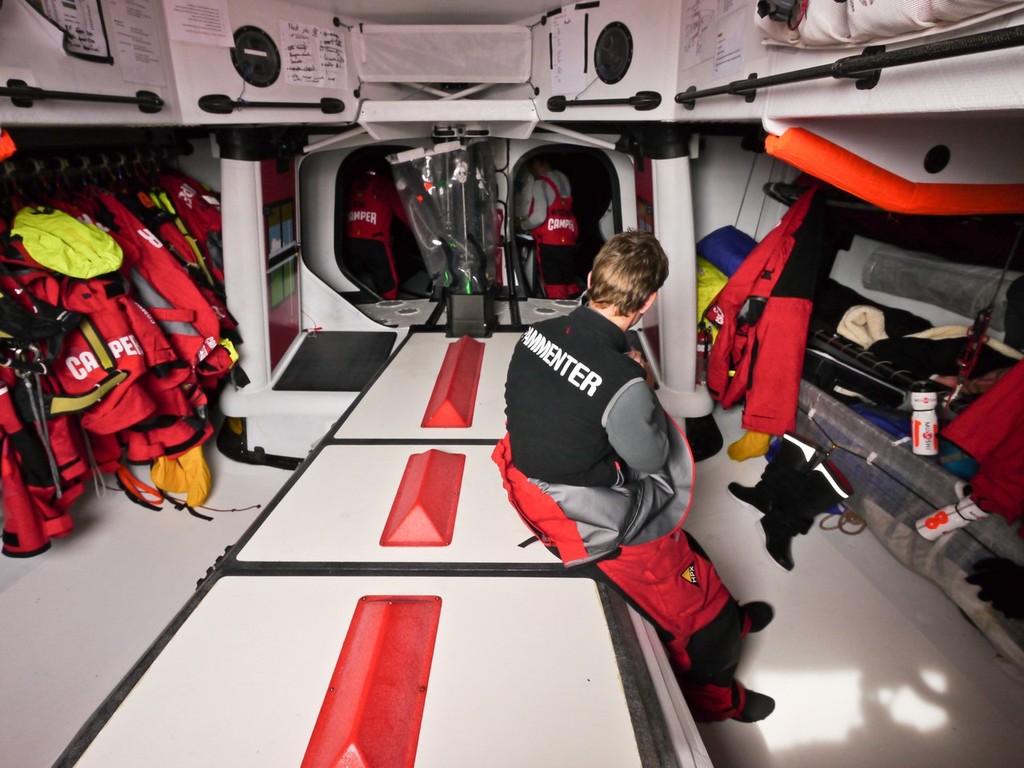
[763, 314]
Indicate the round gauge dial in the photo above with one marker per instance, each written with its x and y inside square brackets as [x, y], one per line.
[613, 52]
[255, 57]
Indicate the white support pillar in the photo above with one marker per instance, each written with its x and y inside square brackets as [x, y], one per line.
[677, 301]
[245, 268]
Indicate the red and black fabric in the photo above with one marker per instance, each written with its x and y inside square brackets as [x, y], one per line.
[35, 502]
[29, 294]
[164, 288]
[168, 228]
[23, 533]
[199, 209]
[181, 421]
[557, 240]
[669, 579]
[134, 343]
[34, 510]
[30, 313]
[674, 585]
[763, 314]
[373, 206]
[991, 431]
[7, 147]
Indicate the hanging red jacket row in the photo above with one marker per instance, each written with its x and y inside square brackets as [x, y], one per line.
[130, 382]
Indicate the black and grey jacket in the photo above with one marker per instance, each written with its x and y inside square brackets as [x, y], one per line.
[585, 429]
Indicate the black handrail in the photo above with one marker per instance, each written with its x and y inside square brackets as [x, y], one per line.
[865, 67]
[24, 95]
[219, 104]
[641, 101]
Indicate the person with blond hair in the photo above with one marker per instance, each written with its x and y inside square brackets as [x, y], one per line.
[604, 478]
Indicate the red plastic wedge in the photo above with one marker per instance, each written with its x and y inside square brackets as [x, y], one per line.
[423, 512]
[373, 708]
[454, 397]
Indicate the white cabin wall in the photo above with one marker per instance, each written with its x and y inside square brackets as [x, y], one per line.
[203, 162]
[31, 51]
[655, 28]
[244, 284]
[317, 197]
[204, 68]
[728, 184]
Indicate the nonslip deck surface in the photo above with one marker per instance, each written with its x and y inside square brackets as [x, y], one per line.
[530, 667]
[396, 402]
[336, 361]
[523, 673]
[338, 508]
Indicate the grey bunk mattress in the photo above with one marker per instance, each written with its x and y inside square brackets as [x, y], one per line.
[893, 488]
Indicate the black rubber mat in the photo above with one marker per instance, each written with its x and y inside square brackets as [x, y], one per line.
[337, 361]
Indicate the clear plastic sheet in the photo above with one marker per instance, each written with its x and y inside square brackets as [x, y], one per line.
[962, 288]
[450, 196]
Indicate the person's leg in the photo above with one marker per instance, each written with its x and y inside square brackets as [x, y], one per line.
[558, 271]
[677, 588]
[368, 261]
[710, 685]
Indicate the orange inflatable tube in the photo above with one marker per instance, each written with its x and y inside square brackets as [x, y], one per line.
[851, 173]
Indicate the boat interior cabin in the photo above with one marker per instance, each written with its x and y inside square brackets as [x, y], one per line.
[264, 265]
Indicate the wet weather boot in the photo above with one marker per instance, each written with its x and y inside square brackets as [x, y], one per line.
[820, 490]
[714, 703]
[755, 616]
[793, 459]
[756, 707]
[798, 484]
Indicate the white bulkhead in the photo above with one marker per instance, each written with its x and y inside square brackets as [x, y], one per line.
[683, 117]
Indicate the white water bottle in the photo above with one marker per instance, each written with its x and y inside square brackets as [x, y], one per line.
[952, 516]
[924, 423]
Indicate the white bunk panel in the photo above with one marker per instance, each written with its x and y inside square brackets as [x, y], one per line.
[311, 45]
[339, 507]
[442, 53]
[564, 58]
[394, 405]
[978, 82]
[523, 673]
[31, 51]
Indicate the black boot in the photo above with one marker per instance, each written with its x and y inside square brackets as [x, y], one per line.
[756, 707]
[759, 613]
[797, 485]
[778, 540]
[820, 490]
[793, 459]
